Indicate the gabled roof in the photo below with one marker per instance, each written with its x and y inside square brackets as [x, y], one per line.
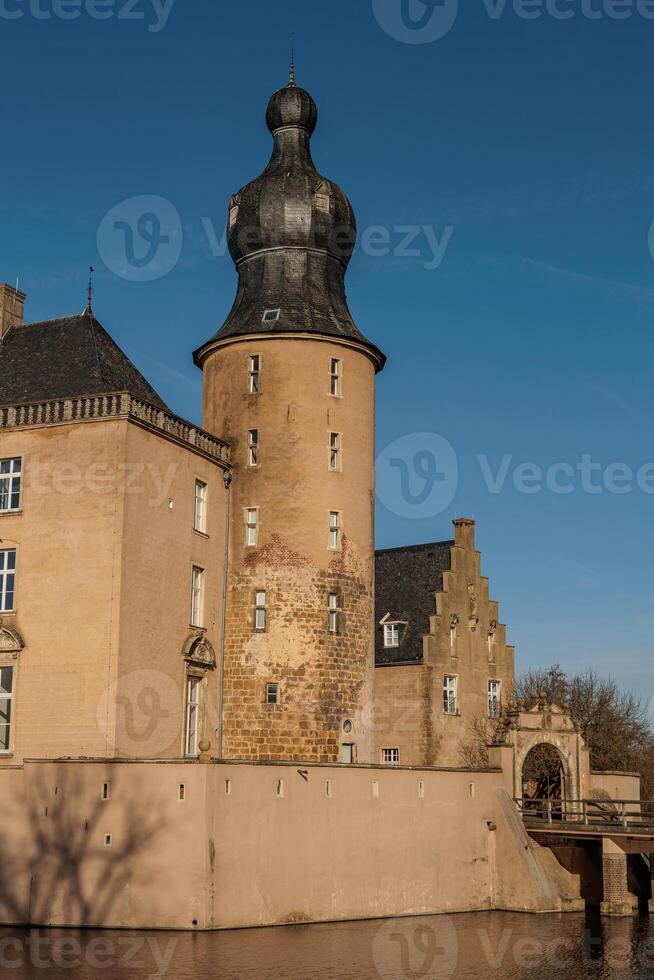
[405, 582]
[65, 358]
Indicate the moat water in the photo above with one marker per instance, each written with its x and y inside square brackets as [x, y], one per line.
[476, 945]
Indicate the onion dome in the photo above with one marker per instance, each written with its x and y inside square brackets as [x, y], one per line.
[291, 234]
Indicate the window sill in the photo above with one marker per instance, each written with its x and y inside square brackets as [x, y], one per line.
[11, 513]
[201, 534]
[195, 626]
[451, 714]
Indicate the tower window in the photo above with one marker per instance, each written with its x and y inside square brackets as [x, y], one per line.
[7, 579]
[322, 202]
[271, 316]
[334, 451]
[253, 447]
[272, 693]
[197, 596]
[391, 757]
[254, 374]
[334, 540]
[333, 616]
[494, 700]
[260, 615]
[391, 634]
[10, 474]
[336, 377]
[200, 511]
[252, 526]
[6, 695]
[450, 695]
[193, 691]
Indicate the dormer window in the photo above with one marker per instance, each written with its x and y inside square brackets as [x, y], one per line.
[391, 635]
[271, 316]
[322, 202]
[234, 204]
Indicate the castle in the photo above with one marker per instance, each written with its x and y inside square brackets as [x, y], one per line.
[195, 629]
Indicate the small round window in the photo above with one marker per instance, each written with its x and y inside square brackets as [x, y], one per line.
[347, 726]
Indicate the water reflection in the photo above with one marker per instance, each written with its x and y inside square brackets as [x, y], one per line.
[476, 945]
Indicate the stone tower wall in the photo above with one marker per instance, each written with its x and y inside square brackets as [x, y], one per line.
[324, 679]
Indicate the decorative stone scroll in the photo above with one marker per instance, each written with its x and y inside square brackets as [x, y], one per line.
[199, 651]
[10, 640]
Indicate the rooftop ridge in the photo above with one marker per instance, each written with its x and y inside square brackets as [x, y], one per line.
[414, 547]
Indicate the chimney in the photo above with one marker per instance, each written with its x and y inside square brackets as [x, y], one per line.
[464, 533]
[12, 308]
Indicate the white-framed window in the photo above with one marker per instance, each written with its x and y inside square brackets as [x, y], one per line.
[200, 508]
[271, 316]
[333, 614]
[335, 451]
[494, 698]
[197, 596]
[7, 579]
[391, 634]
[6, 697]
[391, 757]
[334, 538]
[253, 447]
[450, 694]
[335, 377]
[260, 612]
[251, 526]
[192, 727]
[254, 375]
[272, 693]
[10, 477]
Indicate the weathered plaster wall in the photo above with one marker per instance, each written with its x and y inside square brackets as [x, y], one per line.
[253, 844]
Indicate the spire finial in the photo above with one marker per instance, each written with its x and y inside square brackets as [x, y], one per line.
[89, 295]
[292, 72]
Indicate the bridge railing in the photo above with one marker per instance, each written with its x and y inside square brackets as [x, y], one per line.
[617, 814]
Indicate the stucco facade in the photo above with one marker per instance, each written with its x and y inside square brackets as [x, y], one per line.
[105, 545]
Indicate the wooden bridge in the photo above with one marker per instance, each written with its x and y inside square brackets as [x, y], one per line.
[620, 827]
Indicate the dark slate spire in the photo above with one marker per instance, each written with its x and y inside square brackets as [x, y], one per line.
[291, 235]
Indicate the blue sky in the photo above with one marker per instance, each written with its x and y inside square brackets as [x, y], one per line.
[526, 146]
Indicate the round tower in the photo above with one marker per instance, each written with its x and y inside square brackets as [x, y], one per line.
[289, 381]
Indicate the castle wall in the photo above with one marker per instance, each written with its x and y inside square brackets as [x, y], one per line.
[103, 589]
[325, 679]
[252, 844]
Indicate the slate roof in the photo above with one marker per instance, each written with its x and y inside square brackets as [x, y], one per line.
[405, 582]
[66, 358]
